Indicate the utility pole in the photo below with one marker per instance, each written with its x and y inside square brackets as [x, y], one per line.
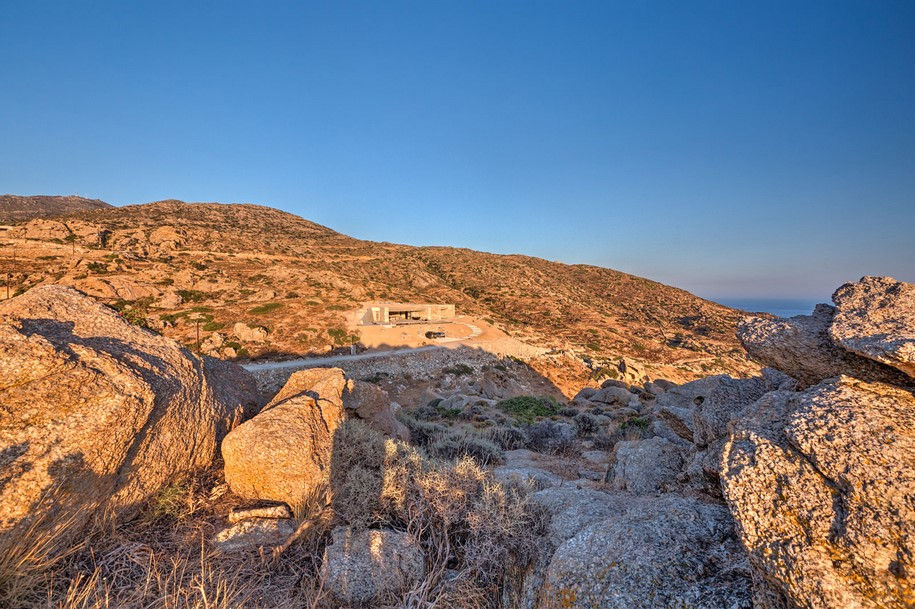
[197, 324]
[7, 286]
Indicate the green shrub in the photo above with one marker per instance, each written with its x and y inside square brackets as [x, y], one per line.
[212, 326]
[528, 408]
[640, 423]
[457, 369]
[192, 295]
[342, 338]
[263, 309]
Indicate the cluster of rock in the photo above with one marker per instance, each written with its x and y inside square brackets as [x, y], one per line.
[284, 454]
[821, 481]
[791, 489]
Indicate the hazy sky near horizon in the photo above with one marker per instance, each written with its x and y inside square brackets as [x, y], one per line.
[735, 149]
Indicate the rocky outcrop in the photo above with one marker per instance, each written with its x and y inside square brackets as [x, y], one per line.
[98, 414]
[284, 453]
[372, 404]
[821, 485]
[802, 347]
[661, 552]
[369, 565]
[875, 318]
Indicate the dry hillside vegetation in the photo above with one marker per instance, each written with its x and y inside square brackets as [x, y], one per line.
[181, 267]
[16, 208]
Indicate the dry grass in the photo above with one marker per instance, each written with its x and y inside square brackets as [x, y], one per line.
[473, 529]
[159, 560]
[474, 532]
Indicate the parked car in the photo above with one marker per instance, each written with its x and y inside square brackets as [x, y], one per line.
[434, 334]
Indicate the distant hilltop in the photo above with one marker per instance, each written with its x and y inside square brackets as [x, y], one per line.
[19, 208]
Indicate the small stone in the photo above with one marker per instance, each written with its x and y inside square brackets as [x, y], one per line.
[254, 533]
[275, 512]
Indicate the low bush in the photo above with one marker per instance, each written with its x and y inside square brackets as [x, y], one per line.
[457, 369]
[447, 442]
[586, 423]
[192, 295]
[507, 437]
[472, 528]
[264, 309]
[528, 408]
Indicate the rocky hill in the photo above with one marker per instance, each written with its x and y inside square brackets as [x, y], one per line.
[17, 208]
[180, 267]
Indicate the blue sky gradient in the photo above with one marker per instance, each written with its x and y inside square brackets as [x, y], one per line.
[737, 149]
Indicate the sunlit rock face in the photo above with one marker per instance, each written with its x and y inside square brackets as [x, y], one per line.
[821, 485]
[98, 414]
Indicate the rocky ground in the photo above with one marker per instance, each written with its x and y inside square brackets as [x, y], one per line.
[138, 474]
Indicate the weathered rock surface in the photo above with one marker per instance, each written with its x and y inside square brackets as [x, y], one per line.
[821, 484]
[99, 414]
[522, 465]
[699, 411]
[254, 533]
[275, 512]
[801, 347]
[662, 552]
[875, 318]
[360, 567]
[284, 453]
[646, 466]
[612, 395]
[244, 332]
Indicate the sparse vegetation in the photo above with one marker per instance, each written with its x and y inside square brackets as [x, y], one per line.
[528, 408]
[192, 295]
[264, 309]
[341, 337]
[457, 369]
[478, 529]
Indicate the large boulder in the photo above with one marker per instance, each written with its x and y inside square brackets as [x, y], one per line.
[96, 414]
[875, 318]
[801, 346]
[822, 486]
[662, 552]
[284, 453]
[360, 567]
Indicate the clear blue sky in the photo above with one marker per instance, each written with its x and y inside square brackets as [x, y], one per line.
[737, 149]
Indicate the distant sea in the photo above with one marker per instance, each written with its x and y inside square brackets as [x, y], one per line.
[783, 307]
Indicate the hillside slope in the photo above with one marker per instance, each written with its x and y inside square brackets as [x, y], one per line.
[17, 208]
[170, 263]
